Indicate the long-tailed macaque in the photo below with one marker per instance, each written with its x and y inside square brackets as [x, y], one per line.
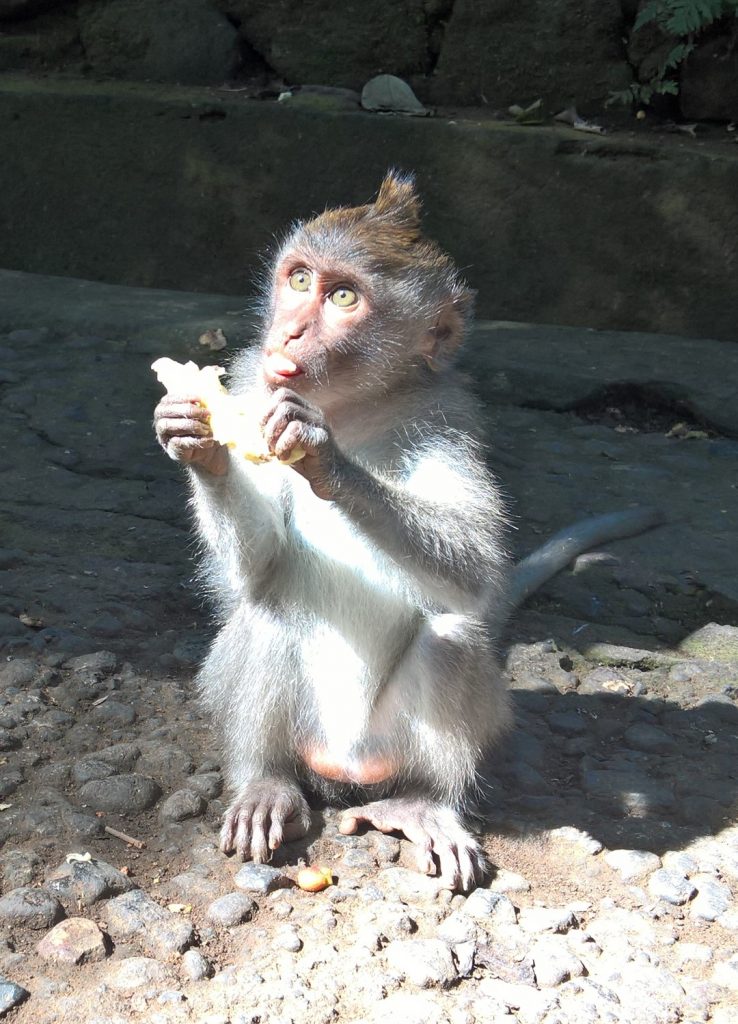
[361, 588]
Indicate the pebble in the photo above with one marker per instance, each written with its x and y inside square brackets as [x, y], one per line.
[194, 966]
[712, 900]
[482, 904]
[74, 941]
[161, 933]
[583, 841]
[546, 919]
[207, 784]
[410, 1008]
[11, 995]
[19, 672]
[288, 938]
[632, 864]
[134, 972]
[670, 886]
[726, 974]
[230, 910]
[182, 805]
[423, 962]
[261, 878]
[509, 881]
[121, 794]
[649, 738]
[30, 908]
[86, 882]
[19, 867]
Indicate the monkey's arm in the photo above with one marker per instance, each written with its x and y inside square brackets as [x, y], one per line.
[442, 523]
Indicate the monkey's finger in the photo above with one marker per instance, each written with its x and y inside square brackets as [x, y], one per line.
[448, 861]
[182, 405]
[349, 822]
[243, 835]
[259, 844]
[227, 832]
[169, 427]
[300, 435]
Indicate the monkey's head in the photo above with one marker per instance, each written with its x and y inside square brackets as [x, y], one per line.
[359, 299]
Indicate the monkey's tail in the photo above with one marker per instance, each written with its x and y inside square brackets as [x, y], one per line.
[567, 544]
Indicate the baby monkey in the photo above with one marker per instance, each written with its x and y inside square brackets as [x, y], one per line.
[359, 589]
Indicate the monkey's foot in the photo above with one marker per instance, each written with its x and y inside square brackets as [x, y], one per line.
[266, 813]
[443, 846]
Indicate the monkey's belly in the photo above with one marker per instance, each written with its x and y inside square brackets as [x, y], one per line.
[364, 771]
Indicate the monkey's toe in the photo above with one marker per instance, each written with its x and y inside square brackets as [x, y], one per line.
[265, 813]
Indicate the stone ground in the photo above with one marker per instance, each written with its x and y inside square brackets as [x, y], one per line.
[609, 813]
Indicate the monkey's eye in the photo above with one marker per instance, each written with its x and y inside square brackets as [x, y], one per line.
[300, 280]
[343, 297]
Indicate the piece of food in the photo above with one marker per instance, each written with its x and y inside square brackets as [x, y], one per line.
[230, 423]
[314, 879]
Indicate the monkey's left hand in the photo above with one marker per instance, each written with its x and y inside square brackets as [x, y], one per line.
[291, 422]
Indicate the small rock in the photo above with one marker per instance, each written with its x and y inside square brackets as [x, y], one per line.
[102, 663]
[134, 972]
[232, 909]
[121, 794]
[649, 738]
[569, 723]
[712, 900]
[424, 962]
[632, 864]
[509, 881]
[553, 962]
[408, 885]
[670, 886]
[390, 93]
[458, 927]
[121, 756]
[726, 974]
[194, 966]
[19, 867]
[693, 952]
[161, 933]
[679, 862]
[182, 805]
[18, 672]
[713, 642]
[83, 882]
[261, 878]
[583, 841]
[484, 905]
[30, 908]
[607, 680]
[74, 941]
[206, 784]
[546, 919]
[11, 995]
[287, 938]
[360, 861]
[91, 770]
[410, 1008]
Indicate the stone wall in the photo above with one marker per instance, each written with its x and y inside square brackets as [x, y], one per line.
[183, 188]
[491, 53]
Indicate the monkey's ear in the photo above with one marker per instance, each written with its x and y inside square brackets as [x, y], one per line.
[439, 343]
[398, 199]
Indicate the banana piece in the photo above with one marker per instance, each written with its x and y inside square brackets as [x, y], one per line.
[231, 424]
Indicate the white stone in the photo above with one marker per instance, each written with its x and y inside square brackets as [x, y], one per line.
[632, 864]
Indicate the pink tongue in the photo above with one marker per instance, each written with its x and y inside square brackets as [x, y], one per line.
[280, 364]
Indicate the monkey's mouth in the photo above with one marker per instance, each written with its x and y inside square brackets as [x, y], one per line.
[279, 367]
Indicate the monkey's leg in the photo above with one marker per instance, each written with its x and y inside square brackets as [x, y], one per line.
[265, 813]
[448, 691]
[443, 846]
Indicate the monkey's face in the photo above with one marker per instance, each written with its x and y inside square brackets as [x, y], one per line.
[321, 326]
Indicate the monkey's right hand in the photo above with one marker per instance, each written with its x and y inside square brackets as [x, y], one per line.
[182, 425]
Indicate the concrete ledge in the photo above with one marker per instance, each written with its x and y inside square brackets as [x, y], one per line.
[183, 188]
